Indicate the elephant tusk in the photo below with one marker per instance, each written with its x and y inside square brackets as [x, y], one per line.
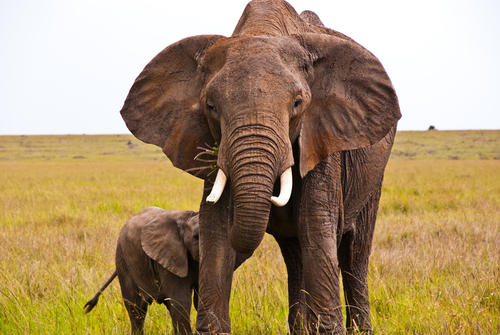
[286, 181]
[219, 184]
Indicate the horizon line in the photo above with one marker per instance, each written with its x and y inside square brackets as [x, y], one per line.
[120, 134]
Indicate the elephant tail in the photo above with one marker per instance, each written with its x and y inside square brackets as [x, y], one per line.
[92, 302]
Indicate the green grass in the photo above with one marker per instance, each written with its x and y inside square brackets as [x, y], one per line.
[435, 264]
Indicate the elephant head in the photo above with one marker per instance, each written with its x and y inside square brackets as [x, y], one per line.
[277, 82]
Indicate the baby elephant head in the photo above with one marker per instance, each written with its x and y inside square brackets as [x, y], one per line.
[171, 238]
[190, 231]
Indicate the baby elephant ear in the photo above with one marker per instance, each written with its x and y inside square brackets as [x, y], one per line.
[162, 107]
[353, 102]
[162, 241]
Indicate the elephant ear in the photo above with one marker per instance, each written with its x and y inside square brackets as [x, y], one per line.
[162, 107]
[161, 240]
[353, 103]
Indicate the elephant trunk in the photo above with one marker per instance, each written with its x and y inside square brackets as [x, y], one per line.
[256, 162]
[252, 206]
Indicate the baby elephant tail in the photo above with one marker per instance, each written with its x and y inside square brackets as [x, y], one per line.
[92, 302]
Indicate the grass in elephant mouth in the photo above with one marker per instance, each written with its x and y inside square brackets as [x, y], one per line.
[434, 267]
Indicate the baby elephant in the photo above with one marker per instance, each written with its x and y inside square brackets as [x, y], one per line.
[157, 259]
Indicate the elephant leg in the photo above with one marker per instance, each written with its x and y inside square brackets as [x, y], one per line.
[217, 261]
[292, 255]
[354, 253]
[319, 216]
[179, 312]
[135, 303]
[178, 290]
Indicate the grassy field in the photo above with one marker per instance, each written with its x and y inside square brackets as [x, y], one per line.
[435, 266]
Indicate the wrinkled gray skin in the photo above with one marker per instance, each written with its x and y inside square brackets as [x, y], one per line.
[282, 91]
[144, 279]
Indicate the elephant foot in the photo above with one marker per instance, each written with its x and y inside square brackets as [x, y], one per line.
[326, 324]
[357, 331]
[208, 324]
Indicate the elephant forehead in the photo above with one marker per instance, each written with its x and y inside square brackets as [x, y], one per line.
[246, 85]
[254, 53]
[255, 67]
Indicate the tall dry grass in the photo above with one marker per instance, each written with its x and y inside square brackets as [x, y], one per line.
[434, 267]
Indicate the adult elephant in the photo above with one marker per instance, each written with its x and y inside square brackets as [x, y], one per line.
[283, 97]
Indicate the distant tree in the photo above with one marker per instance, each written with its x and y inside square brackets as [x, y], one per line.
[431, 127]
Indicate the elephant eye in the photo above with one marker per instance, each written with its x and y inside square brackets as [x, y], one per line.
[298, 102]
[210, 106]
[212, 110]
[296, 110]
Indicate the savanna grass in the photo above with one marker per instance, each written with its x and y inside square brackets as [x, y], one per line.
[434, 267]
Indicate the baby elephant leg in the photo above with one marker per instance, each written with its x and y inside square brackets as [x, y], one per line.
[136, 304]
[178, 302]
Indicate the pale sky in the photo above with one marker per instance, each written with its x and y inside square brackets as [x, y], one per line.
[66, 66]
